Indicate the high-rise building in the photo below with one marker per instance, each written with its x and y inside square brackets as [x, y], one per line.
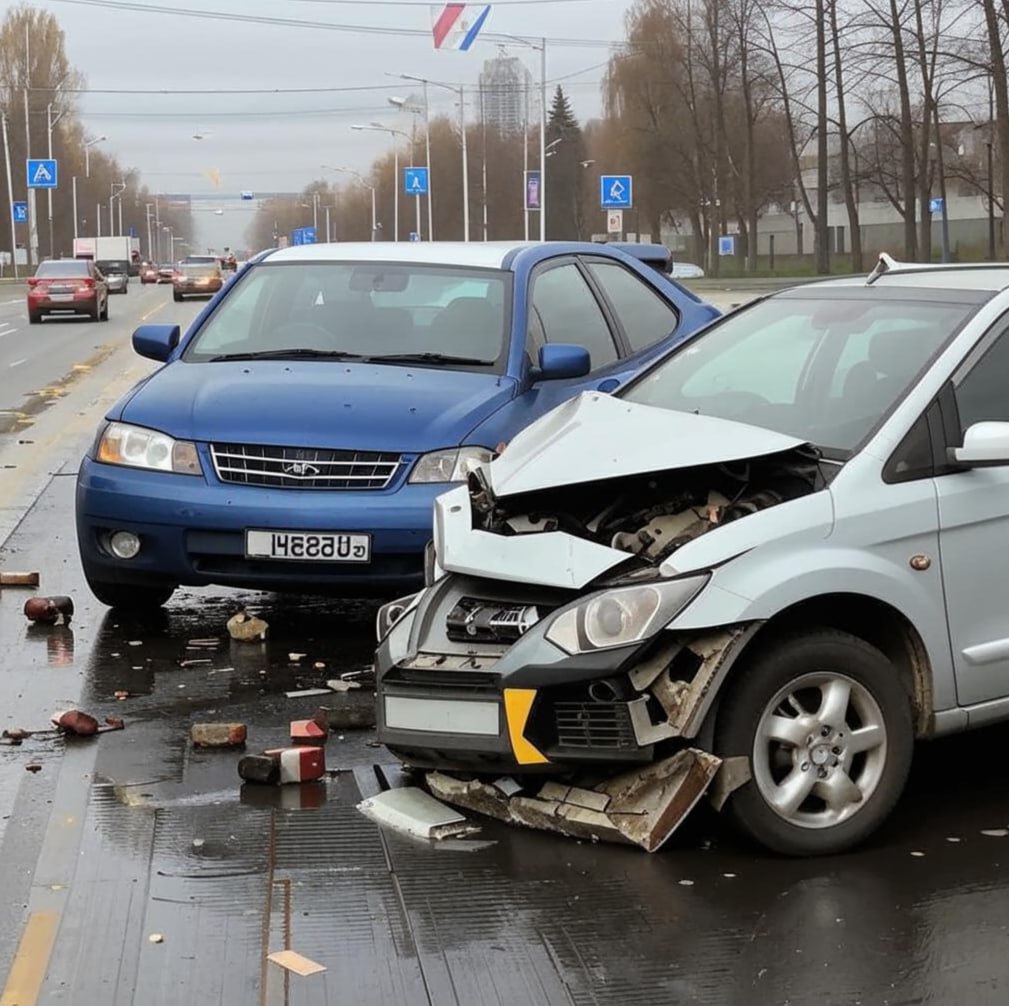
[504, 91]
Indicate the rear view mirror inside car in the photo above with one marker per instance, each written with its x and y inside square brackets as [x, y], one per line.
[370, 280]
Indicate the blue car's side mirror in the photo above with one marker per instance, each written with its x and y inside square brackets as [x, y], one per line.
[156, 342]
[560, 360]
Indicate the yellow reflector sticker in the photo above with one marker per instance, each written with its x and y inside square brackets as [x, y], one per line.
[518, 702]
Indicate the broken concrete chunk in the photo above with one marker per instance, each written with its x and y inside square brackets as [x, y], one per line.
[218, 735]
[341, 685]
[414, 812]
[353, 712]
[246, 628]
[588, 798]
[73, 721]
[260, 769]
[49, 610]
[284, 765]
[472, 794]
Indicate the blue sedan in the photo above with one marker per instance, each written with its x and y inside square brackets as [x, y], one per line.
[296, 436]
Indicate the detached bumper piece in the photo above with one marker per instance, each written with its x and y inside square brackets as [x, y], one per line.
[640, 807]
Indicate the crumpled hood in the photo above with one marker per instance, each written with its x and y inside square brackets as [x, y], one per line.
[313, 403]
[596, 436]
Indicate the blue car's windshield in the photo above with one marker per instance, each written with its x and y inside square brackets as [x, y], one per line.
[427, 315]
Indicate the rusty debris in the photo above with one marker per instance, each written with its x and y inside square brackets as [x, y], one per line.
[19, 579]
[16, 734]
[49, 610]
[33, 767]
[247, 628]
[218, 735]
[641, 807]
[76, 723]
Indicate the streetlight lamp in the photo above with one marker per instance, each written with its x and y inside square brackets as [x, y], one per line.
[403, 104]
[368, 185]
[379, 128]
[87, 172]
[460, 90]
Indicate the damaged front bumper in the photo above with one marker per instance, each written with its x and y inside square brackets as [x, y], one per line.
[464, 684]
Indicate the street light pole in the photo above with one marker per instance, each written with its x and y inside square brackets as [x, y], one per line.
[543, 139]
[10, 196]
[74, 187]
[427, 162]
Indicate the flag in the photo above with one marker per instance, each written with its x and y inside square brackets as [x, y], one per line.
[458, 24]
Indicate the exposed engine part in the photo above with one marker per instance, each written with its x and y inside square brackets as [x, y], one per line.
[474, 620]
[531, 524]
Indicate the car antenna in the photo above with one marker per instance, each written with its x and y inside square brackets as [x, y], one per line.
[883, 265]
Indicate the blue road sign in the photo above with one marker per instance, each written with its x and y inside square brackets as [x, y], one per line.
[727, 244]
[935, 206]
[616, 192]
[414, 236]
[131, 231]
[42, 174]
[20, 213]
[246, 195]
[303, 236]
[415, 181]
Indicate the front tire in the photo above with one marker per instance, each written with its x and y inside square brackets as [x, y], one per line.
[826, 725]
[129, 597]
[34, 318]
[104, 316]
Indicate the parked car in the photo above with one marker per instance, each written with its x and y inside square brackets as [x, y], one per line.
[117, 275]
[166, 273]
[298, 435]
[148, 272]
[781, 543]
[67, 286]
[196, 280]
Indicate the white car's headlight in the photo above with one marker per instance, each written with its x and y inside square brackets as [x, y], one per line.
[622, 615]
[389, 614]
[449, 466]
[137, 447]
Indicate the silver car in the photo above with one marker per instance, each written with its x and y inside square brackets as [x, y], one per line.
[117, 275]
[781, 547]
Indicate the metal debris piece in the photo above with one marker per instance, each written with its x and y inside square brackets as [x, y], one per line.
[19, 579]
[74, 722]
[246, 628]
[642, 807]
[218, 735]
[414, 812]
[289, 960]
[340, 685]
[49, 610]
[508, 786]
[354, 713]
[307, 692]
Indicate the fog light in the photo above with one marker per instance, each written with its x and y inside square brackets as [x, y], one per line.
[124, 544]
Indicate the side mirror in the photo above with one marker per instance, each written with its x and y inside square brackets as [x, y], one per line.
[985, 445]
[156, 342]
[561, 360]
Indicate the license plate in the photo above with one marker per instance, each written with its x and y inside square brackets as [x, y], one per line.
[60, 297]
[308, 546]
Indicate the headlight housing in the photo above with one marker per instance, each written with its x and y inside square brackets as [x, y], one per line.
[389, 614]
[453, 465]
[138, 447]
[622, 615]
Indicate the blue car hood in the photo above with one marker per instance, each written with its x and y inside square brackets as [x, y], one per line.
[313, 403]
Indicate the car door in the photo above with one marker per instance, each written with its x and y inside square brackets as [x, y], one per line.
[974, 528]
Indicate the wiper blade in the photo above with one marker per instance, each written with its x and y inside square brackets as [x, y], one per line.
[469, 361]
[290, 354]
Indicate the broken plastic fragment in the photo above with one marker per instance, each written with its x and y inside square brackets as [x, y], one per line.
[414, 812]
[246, 628]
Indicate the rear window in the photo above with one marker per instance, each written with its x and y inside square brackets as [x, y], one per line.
[364, 308]
[114, 267]
[61, 269]
[198, 270]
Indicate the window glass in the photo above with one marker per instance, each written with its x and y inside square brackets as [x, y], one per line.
[981, 396]
[646, 318]
[567, 310]
[60, 268]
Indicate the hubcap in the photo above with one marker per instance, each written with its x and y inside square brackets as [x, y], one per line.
[819, 750]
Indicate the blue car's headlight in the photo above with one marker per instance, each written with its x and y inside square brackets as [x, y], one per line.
[453, 465]
[622, 615]
[138, 447]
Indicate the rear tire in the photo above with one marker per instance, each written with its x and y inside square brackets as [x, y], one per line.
[130, 597]
[104, 316]
[34, 318]
[826, 726]
[177, 296]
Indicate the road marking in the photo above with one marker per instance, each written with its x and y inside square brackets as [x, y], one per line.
[17, 363]
[154, 310]
[27, 973]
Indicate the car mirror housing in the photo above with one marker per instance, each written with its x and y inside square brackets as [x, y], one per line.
[156, 342]
[560, 360]
[984, 445]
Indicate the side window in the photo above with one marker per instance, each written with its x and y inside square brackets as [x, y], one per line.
[567, 310]
[646, 318]
[981, 395]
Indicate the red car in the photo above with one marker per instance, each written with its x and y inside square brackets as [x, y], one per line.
[68, 286]
[148, 272]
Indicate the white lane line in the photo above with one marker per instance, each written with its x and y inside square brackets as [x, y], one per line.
[17, 363]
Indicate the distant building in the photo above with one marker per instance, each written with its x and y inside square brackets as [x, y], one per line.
[504, 92]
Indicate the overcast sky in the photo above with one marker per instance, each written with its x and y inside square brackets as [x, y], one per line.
[278, 142]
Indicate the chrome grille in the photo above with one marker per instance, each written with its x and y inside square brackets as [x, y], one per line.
[302, 467]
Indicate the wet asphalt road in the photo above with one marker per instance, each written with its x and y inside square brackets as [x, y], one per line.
[134, 833]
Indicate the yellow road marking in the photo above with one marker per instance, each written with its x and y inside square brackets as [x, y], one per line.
[153, 310]
[24, 983]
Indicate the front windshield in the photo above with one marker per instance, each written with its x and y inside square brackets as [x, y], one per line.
[823, 370]
[435, 315]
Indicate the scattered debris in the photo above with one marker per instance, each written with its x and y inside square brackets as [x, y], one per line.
[121, 695]
[33, 767]
[342, 685]
[195, 662]
[135, 642]
[246, 628]
[218, 735]
[309, 732]
[10, 742]
[155, 938]
[203, 644]
[952, 838]
[280, 766]
[198, 843]
[686, 883]
[508, 786]
[305, 693]
[415, 812]
[296, 658]
[319, 665]
[16, 734]
[357, 713]
[112, 723]
[49, 610]
[918, 855]
[291, 961]
[995, 832]
[19, 579]
[74, 722]
[642, 807]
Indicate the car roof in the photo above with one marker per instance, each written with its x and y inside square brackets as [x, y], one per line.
[889, 272]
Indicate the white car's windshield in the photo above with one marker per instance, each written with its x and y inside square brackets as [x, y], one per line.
[428, 315]
[825, 369]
